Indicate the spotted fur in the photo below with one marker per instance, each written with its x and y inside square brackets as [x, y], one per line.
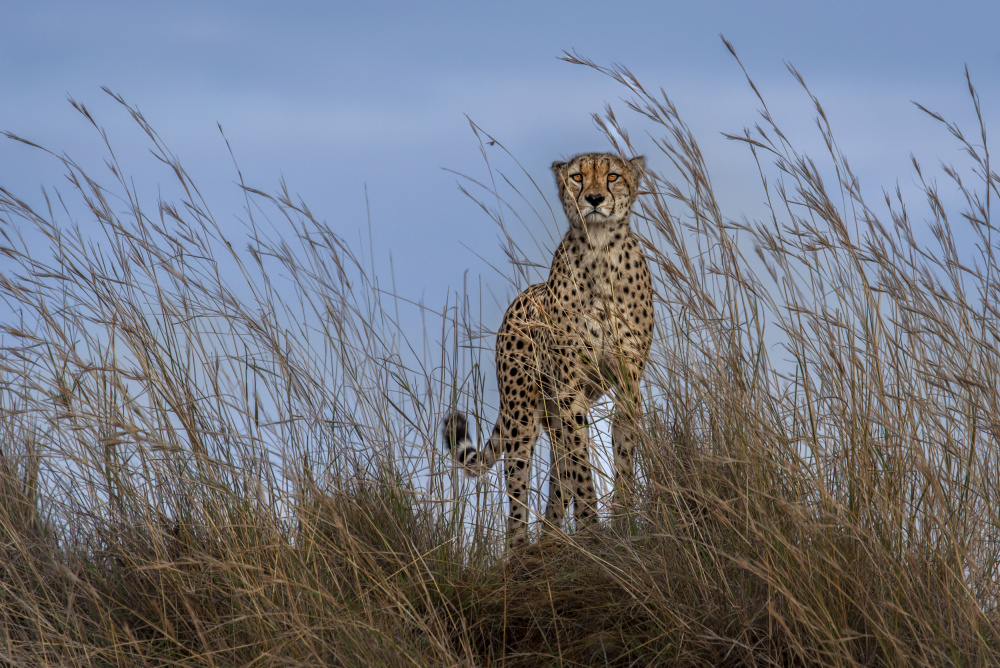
[566, 342]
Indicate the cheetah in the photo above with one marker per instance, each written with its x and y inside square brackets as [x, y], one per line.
[565, 343]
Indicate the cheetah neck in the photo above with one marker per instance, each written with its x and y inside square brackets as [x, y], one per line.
[599, 237]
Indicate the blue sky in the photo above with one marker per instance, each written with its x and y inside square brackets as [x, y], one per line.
[339, 98]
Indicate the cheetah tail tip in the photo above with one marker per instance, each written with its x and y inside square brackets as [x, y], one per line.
[455, 433]
[454, 429]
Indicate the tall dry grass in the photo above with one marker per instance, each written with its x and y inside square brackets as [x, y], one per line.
[221, 451]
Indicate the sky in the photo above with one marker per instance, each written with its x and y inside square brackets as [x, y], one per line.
[364, 108]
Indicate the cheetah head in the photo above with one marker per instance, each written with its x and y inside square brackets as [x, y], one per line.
[598, 189]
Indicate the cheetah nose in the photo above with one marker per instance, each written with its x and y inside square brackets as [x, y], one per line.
[594, 199]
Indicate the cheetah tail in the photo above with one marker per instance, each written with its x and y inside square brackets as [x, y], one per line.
[455, 430]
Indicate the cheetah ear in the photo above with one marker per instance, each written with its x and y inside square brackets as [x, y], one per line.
[557, 167]
[638, 166]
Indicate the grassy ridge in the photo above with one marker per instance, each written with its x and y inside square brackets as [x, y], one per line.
[222, 452]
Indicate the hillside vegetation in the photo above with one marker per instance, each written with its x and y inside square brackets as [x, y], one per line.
[223, 451]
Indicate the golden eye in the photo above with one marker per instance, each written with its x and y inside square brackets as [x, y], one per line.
[612, 177]
[577, 177]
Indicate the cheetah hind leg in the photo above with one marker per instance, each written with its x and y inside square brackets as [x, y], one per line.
[515, 434]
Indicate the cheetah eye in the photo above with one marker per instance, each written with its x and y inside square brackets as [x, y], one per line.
[577, 177]
[612, 178]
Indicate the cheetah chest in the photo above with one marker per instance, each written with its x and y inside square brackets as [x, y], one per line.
[603, 309]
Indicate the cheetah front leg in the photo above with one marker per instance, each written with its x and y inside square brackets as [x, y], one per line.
[625, 424]
[560, 494]
[571, 477]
